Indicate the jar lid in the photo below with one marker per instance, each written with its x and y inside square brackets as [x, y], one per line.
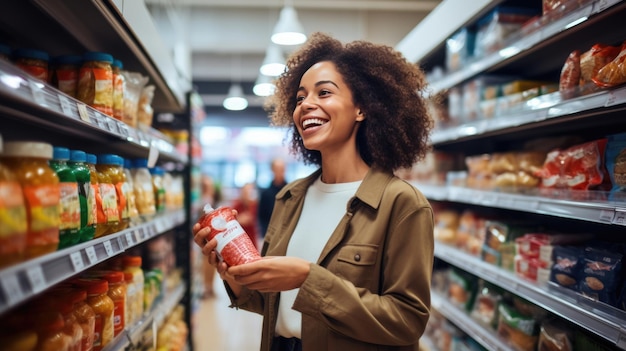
[118, 64]
[128, 163]
[157, 171]
[27, 149]
[128, 277]
[93, 286]
[141, 163]
[60, 153]
[98, 56]
[75, 60]
[31, 53]
[78, 156]
[113, 277]
[91, 158]
[107, 159]
[131, 260]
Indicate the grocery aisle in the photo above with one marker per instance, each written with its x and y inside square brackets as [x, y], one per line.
[220, 328]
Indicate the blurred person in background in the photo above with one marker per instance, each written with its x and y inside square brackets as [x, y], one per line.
[348, 255]
[246, 207]
[268, 195]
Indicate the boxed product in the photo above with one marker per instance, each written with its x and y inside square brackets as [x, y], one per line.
[568, 263]
[459, 49]
[496, 28]
[499, 246]
[601, 274]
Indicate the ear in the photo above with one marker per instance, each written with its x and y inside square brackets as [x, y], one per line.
[359, 115]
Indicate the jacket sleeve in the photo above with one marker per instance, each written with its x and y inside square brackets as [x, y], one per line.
[396, 314]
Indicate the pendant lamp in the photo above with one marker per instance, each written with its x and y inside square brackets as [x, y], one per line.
[288, 30]
[274, 62]
[235, 101]
[263, 86]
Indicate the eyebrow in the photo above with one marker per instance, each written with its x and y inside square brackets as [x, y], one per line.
[321, 82]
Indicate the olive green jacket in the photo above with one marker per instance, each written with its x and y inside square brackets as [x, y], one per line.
[370, 288]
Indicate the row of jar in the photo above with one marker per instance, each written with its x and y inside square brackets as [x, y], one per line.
[84, 313]
[52, 197]
[95, 78]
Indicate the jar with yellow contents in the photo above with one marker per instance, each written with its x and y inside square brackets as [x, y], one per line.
[108, 208]
[40, 186]
[95, 82]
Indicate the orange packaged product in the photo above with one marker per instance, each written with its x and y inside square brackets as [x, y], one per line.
[614, 72]
[102, 306]
[51, 336]
[40, 186]
[82, 313]
[95, 82]
[108, 208]
[594, 59]
[13, 224]
[72, 327]
[132, 265]
[94, 202]
[65, 73]
[117, 293]
[33, 62]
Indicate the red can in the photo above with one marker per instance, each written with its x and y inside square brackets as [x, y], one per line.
[234, 246]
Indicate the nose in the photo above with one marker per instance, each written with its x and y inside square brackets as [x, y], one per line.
[307, 103]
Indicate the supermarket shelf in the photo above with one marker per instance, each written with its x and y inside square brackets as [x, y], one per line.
[600, 319]
[598, 208]
[127, 32]
[27, 99]
[535, 111]
[486, 337]
[144, 332]
[524, 45]
[23, 281]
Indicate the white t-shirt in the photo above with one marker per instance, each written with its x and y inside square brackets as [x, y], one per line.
[324, 206]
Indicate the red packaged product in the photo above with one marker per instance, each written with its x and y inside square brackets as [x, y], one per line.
[233, 244]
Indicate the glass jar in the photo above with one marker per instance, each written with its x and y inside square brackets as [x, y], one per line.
[13, 223]
[40, 186]
[119, 86]
[95, 205]
[118, 293]
[33, 62]
[131, 202]
[77, 164]
[85, 316]
[108, 210]
[158, 188]
[49, 326]
[103, 308]
[95, 82]
[132, 265]
[142, 186]
[65, 73]
[69, 209]
[131, 295]
[71, 327]
[122, 189]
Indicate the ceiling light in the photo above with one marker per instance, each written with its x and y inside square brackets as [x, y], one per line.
[235, 101]
[274, 62]
[263, 86]
[288, 30]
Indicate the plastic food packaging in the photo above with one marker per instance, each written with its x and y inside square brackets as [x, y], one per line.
[108, 210]
[145, 112]
[570, 75]
[142, 187]
[234, 246]
[69, 209]
[79, 167]
[614, 72]
[119, 85]
[134, 86]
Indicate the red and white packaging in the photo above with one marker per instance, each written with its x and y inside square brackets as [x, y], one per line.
[234, 246]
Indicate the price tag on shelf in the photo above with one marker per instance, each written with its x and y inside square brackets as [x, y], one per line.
[83, 113]
[607, 216]
[129, 239]
[12, 290]
[123, 130]
[153, 155]
[36, 279]
[108, 248]
[112, 125]
[66, 105]
[621, 339]
[120, 243]
[619, 217]
[602, 5]
[616, 97]
[91, 254]
[101, 121]
[77, 261]
[36, 89]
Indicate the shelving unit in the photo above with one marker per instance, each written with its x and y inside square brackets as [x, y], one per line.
[32, 110]
[537, 52]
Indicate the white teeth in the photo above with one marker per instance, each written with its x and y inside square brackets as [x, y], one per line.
[312, 121]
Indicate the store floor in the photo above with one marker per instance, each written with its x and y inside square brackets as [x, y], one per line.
[220, 328]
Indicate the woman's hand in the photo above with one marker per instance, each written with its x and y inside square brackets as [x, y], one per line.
[271, 274]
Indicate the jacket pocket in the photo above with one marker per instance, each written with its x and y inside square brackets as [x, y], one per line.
[359, 255]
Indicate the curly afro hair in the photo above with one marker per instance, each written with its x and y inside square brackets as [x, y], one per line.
[386, 87]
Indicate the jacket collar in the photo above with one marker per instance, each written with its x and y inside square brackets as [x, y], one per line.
[370, 192]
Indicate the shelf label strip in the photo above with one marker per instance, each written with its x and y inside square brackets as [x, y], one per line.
[36, 279]
[13, 291]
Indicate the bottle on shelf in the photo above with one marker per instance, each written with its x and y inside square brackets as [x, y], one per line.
[108, 209]
[69, 209]
[144, 192]
[95, 199]
[40, 185]
[103, 308]
[158, 188]
[77, 164]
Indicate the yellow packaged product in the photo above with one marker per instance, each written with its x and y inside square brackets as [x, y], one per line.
[40, 186]
[108, 208]
[95, 84]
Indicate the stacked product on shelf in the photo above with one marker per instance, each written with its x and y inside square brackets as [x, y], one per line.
[526, 175]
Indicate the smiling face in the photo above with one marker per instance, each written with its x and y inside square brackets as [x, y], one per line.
[325, 114]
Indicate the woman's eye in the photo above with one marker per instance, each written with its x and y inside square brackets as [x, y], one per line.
[299, 98]
[324, 92]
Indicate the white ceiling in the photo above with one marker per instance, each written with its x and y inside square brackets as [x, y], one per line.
[225, 40]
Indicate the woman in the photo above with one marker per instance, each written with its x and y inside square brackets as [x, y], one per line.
[348, 253]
